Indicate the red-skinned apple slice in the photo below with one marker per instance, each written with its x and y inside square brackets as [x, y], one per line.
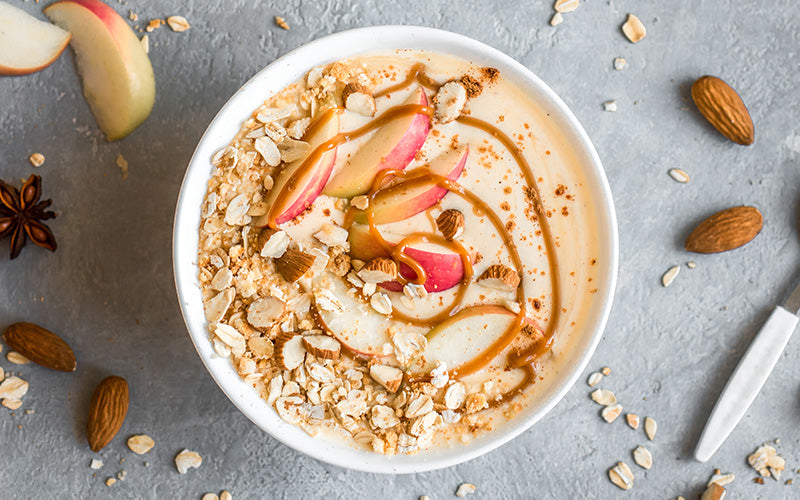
[393, 146]
[306, 187]
[408, 198]
[116, 73]
[443, 267]
[360, 329]
[465, 337]
[27, 45]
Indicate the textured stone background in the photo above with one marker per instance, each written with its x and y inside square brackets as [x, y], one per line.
[109, 288]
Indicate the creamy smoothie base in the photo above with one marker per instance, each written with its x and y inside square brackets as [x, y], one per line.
[482, 204]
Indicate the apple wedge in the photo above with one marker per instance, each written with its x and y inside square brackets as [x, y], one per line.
[117, 77]
[360, 329]
[412, 196]
[443, 267]
[27, 45]
[303, 189]
[393, 146]
[465, 337]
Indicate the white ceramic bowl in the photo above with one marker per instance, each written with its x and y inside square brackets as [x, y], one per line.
[226, 124]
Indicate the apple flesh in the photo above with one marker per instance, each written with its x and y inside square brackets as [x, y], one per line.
[410, 197]
[444, 269]
[27, 45]
[463, 337]
[304, 189]
[393, 146]
[360, 329]
[117, 76]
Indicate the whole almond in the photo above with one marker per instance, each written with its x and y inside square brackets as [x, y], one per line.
[725, 230]
[107, 411]
[723, 107]
[41, 346]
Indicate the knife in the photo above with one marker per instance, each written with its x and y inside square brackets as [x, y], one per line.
[749, 376]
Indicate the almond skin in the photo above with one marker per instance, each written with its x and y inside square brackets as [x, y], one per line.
[723, 107]
[107, 411]
[41, 346]
[726, 230]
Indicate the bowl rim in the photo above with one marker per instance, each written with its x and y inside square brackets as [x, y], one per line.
[289, 68]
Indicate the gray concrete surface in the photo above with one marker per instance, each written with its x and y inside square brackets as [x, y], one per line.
[109, 288]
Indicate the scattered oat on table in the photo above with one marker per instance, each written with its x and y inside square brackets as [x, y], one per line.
[634, 29]
[610, 413]
[178, 24]
[210, 496]
[721, 479]
[610, 106]
[121, 475]
[691, 264]
[619, 63]
[17, 358]
[141, 444]
[633, 420]
[650, 428]
[643, 457]
[282, 22]
[594, 379]
[145, 41]
[465, 489]
[621, 476]
[36, 159]
[95, 464]
[111, 481]
[225, 495]
[604, 397]
[566, 5]
[679, 175]
[713, 492]
[556, 19]
[766, 461]
[186, 460]
[669, 276]
[606, 371]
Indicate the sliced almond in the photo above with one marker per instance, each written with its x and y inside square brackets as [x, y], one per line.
[449, 101]
[378, 270]
[381, 303]
[621, 476]
[217, 306]
[358, 99]
[450, 224]
[290, 350]
[634, 29]
[610, 413]
[293, 264]
[633, 420]
[650, 428]
[643, 457]
[499, 277]
[273, 243]
[388, 376]
[264, 312]
[455, 396]
[268, 150]
[604, 397]
[322, 346]
[326, 300]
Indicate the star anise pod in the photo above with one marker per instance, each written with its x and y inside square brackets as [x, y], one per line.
[21, 214]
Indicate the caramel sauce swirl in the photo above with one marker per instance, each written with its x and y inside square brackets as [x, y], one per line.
[525, 358]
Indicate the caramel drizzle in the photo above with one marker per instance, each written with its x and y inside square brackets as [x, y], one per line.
[524, 359]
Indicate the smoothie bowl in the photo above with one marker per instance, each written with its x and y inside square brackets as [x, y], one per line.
[395, 260]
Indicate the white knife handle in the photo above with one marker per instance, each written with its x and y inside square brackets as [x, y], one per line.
[748, 378]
